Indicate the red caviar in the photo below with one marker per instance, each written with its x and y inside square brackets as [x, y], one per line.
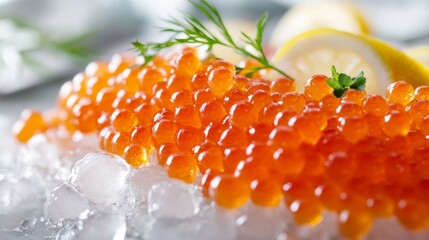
[257, 140]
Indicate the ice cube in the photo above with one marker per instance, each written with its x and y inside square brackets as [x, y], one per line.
[215, 223]
[101, 177]
[170, 229]
[127, 203]
[173, 199]
[19, 199]
[65, 202]
[15, 235]
[69, 229]
[392, 229]
[136, 222]
[87, 141]
[38, 228]
[108, 225]
[6, 193]
[211, 223]
[76, 141]
[8, 152]
[327, 229]
[73, 153]
[39, 156]
[141, 180]
[38, 160]
[261, 222]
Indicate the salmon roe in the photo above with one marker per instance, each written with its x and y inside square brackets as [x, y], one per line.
[257, 140]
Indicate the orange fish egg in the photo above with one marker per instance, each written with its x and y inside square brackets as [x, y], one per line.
[221, 80]
[182, 166]
[362, 157]
[29, 124]
[229, 191]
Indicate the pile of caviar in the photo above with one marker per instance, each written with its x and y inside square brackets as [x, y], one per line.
[361, 156]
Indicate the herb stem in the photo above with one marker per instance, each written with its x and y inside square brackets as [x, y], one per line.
[195, 32]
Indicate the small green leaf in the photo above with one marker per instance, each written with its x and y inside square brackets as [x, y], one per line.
[260, 27]
[341, 82]
[333, 83]
[249, 74]
[339, 92]
[360, 87]
[148, 59]
[334, 72]
[139, 46]
[357, 82]
[344, 80]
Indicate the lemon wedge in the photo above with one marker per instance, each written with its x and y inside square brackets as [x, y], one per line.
[314, 52]
[316, 15]
[419, 53]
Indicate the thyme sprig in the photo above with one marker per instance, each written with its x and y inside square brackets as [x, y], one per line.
[191, 30]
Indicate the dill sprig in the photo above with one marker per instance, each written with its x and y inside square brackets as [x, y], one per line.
[193, 31]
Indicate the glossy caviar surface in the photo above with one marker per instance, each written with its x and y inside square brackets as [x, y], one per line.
[361, 156]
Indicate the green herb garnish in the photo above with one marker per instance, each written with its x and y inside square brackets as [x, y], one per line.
[342, 82]
[71, 47]
[193, 31]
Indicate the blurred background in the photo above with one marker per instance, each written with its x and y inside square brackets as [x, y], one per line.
[45, 42]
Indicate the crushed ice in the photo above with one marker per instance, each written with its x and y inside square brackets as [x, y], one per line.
[61, 187]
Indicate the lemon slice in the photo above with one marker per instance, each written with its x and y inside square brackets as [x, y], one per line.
[314, 52]
[316, 15]
[419, 53]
